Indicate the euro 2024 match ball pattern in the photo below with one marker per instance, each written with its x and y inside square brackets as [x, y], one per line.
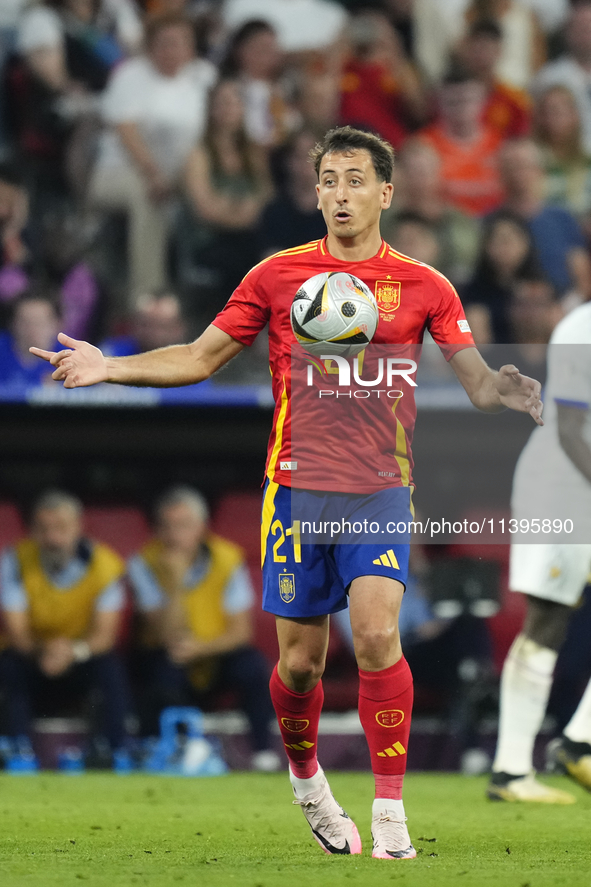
[334, 312]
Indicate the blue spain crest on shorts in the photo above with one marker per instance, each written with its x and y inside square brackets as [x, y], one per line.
[287, 587]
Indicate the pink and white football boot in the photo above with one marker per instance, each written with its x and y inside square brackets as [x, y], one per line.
[390, 834]
[331, 826]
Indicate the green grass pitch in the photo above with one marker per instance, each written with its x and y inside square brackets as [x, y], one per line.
[117, 831]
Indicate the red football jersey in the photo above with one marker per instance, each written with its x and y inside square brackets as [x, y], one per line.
[340, 448]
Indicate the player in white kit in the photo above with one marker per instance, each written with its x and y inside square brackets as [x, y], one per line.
[552, 482]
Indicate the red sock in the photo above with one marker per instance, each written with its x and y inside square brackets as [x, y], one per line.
[385, 707]
[298, 715]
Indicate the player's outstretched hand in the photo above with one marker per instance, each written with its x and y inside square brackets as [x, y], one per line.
[520, 392]
[78, 365]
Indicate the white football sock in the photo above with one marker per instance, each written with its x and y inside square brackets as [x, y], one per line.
[525, 687]
[388, 805]
[305, 786]
[578, 728]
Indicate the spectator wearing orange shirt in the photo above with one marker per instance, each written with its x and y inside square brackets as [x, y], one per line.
[380, 89]
[507, 109]
[467, 148]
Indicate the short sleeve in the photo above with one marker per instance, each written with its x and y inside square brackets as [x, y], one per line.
[146, 590]
[13, 598]
[239, 593]
[569, 374]
[247, 311]
[112, 599]
[446, 321]
[124, 98]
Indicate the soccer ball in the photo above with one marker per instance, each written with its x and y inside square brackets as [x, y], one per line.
[334, 313]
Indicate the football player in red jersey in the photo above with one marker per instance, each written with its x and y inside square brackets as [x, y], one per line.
[305, 583]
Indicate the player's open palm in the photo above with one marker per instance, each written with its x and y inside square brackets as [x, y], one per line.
[78, 365]
[519, 392]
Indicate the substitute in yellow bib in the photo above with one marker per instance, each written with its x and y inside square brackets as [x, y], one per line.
[61, 598]
[194, 593]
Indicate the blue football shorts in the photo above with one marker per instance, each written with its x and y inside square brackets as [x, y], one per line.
[305, 577]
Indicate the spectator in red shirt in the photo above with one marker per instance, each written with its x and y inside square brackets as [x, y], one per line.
[507, 109]
[380, 89]
[467, 148]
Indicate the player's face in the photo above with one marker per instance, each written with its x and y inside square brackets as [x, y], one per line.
[350, 194]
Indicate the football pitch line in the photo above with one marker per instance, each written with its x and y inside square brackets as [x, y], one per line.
[104, 830]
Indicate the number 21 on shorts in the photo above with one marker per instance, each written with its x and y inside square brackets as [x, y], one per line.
[294, 532]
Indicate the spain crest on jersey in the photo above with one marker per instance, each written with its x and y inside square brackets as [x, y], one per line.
[388, 295]
[287, 587]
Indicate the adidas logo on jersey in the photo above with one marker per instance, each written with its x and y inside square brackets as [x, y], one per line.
[387, 560]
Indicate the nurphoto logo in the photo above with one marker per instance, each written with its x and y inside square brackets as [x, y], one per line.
[401, 368]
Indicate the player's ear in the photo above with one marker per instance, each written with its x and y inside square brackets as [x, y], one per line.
[318, 196]
[387, 194]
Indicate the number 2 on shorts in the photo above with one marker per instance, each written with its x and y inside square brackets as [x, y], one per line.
[277, 527]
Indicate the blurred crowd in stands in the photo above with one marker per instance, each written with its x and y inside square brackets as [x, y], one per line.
[152, 151]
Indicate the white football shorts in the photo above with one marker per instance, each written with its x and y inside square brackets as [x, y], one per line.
[552, 572]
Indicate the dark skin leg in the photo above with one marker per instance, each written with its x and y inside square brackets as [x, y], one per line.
[546, 622]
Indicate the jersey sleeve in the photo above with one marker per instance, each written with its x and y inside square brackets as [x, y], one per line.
[446, 320]
[247, 311]
[569, 374]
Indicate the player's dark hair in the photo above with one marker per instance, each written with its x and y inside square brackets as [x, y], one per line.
[344, 139]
